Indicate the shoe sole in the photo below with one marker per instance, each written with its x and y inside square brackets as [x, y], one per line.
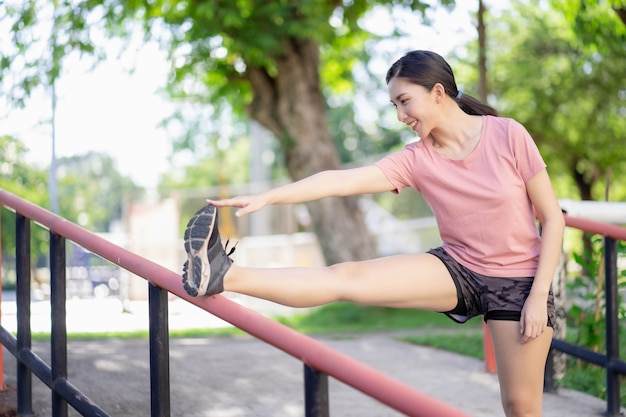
[197, 270]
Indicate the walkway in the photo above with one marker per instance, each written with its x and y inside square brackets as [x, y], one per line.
[239, 376]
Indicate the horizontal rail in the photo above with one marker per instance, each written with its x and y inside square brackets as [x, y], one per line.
[366, 379]
[61, 386]
[581, 352]
[592, 226]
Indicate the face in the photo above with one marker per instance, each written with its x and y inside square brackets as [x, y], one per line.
[414, 103]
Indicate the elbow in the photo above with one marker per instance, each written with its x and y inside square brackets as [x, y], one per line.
[559, 220]
[555, 223]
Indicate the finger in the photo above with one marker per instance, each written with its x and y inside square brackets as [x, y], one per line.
[229, 202]
[241, 212]
[247, 209]
[527, 337]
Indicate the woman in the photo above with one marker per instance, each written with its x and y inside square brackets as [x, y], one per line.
[486, 184]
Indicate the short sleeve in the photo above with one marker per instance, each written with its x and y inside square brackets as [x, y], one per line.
[529, 159]
[398, 167]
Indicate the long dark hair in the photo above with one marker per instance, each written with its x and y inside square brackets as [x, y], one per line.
[427, 68]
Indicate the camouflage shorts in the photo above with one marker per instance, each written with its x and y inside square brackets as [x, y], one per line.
[494, 297]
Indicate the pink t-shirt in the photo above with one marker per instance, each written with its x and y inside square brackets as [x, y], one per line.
[485, 217]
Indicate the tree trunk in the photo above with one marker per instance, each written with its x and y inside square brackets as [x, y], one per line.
[290, 104]
[483, 89]
[585, 187]
[621, 12]
[557, 361]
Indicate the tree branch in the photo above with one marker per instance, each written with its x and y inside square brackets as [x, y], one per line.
[621, 13]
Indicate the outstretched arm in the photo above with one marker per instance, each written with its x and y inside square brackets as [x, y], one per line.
[334, 183]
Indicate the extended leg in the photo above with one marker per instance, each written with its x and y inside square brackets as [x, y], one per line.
[520, 368]
[411, 281]
[408, 281]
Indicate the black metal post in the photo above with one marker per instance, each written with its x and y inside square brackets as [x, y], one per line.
[58, 331]
[159, 352]
[612, 327]
[315, 393]
[24, 342]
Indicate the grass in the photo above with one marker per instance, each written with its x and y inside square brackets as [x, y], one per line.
[346, 317]
[463, 342]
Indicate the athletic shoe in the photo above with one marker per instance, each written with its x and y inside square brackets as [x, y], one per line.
[207, 263]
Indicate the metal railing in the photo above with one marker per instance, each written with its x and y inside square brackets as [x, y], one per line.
[319, 360]
[611, 359]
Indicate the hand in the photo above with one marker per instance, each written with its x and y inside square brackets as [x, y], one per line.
[534, 318]
[247, 203]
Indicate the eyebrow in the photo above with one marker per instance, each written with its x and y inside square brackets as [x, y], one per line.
[398, 97]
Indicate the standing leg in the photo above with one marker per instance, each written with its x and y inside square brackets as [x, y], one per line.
[407, 281]
[520, 368]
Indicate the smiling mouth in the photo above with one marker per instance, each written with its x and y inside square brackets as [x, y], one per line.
[413, 125]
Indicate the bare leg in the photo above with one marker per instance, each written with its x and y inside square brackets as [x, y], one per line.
[520, 368]
[404, 281]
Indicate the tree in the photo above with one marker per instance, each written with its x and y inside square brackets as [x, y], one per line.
[261, 56]
[92, 192]
[23, 180]
[566, 86]
[265, 56]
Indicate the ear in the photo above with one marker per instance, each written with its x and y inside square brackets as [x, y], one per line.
[438, 92]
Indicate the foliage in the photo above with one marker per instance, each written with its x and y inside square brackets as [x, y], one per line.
[589, 378]
[17, 176]
[220, 40]
[212, 45]
[586, 295]
[25, 181]
[92, 193]
[209, 177]
[583, 290]
[586, 318]
[42, 34]
[566, 86]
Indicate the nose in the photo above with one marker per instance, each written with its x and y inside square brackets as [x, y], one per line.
[402, 116]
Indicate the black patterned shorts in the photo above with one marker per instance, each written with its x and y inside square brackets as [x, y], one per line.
[494, 297]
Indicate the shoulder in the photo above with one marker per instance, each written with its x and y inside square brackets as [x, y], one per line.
[508, 132]
[400, 166]
[408, 151]
[504, 123]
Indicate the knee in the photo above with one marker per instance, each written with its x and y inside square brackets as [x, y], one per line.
[346, 275]
[344, 270]
[521, 406]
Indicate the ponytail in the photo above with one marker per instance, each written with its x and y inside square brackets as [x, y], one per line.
[473, 106]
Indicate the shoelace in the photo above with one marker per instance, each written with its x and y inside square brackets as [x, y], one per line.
[230, 252]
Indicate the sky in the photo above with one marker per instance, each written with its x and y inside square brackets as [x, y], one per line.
[107, 109]
[112, 110]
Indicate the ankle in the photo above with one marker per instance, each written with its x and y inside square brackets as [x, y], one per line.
[230, 278]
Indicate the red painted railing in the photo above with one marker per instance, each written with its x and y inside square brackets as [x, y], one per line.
[316, 355]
